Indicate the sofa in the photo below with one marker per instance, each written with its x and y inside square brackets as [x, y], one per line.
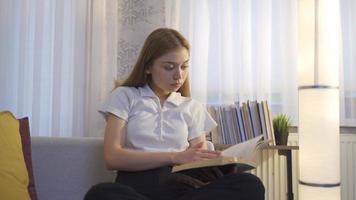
[65, 168]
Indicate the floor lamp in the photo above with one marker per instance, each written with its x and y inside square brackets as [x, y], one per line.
[318, 98]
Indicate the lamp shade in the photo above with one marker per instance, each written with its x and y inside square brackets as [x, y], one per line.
[318, 76]
[319, 143]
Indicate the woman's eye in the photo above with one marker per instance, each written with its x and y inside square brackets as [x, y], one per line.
[169, 67]
[185, 66]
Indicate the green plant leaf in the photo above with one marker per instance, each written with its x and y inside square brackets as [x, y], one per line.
[281, 124]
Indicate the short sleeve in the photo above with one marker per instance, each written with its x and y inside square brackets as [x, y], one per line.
[118, 103]
[201, 122]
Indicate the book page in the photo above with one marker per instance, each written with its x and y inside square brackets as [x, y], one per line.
[242, 155]
[245, 150]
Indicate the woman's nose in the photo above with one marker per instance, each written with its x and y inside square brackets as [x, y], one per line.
[178, 74]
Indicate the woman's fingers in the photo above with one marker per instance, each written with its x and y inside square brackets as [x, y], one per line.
[195, 153]
[208, 154]
[210, 151]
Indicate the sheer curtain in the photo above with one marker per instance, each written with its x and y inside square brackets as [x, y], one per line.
[241, 50]
[60, 58]
[348, 74]
[52, 64]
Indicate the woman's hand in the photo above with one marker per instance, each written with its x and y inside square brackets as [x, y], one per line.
[194, 153]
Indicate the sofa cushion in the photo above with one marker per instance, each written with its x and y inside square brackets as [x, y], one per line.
[16, 177]
[66, 168]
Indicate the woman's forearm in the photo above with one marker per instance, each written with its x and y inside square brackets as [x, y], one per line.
[136, 160]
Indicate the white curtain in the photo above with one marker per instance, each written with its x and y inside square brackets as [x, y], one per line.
[348, 73]
[60, 58]
[102, 31]
[247, 49]
[241, 50]
[52, 68]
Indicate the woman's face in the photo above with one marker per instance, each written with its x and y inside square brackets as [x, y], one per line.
[169, 72]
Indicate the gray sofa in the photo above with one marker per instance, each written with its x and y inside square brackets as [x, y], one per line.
[65, 168]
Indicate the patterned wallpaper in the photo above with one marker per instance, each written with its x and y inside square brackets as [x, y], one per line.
[136, 18]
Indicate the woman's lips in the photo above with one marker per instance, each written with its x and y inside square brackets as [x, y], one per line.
[176, 84]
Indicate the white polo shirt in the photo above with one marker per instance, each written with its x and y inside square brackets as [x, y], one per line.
[151, 127]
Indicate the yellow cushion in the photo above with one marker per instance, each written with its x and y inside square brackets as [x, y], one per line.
[14, 177]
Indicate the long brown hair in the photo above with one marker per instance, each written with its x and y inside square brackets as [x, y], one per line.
[158, 43]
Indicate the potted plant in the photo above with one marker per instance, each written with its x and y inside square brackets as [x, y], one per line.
[281, 125]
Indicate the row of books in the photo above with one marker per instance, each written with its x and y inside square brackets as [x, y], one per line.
[240, 122]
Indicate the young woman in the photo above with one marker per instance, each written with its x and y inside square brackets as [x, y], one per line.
[153, 124]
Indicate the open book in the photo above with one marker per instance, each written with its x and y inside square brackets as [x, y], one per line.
[243, 156]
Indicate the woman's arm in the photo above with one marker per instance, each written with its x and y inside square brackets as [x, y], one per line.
[118, 158]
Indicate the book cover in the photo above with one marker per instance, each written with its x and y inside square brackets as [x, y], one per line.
[255, 118]
[269, 125]
[241, 124]
[247, 121]
[235, 124]
[263, 121]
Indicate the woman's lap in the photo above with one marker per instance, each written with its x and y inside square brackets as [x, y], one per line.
[240, 186]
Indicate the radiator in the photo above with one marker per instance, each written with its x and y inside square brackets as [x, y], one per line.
[272, 170]
[348, 166]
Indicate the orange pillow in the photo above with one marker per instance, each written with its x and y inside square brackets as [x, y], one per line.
[16, 177]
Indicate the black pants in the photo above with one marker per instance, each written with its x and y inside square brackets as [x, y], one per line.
[160, 184]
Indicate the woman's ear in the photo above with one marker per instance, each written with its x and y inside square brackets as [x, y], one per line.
[147, 70]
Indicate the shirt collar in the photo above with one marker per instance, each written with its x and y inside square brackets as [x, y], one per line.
[175, 97]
